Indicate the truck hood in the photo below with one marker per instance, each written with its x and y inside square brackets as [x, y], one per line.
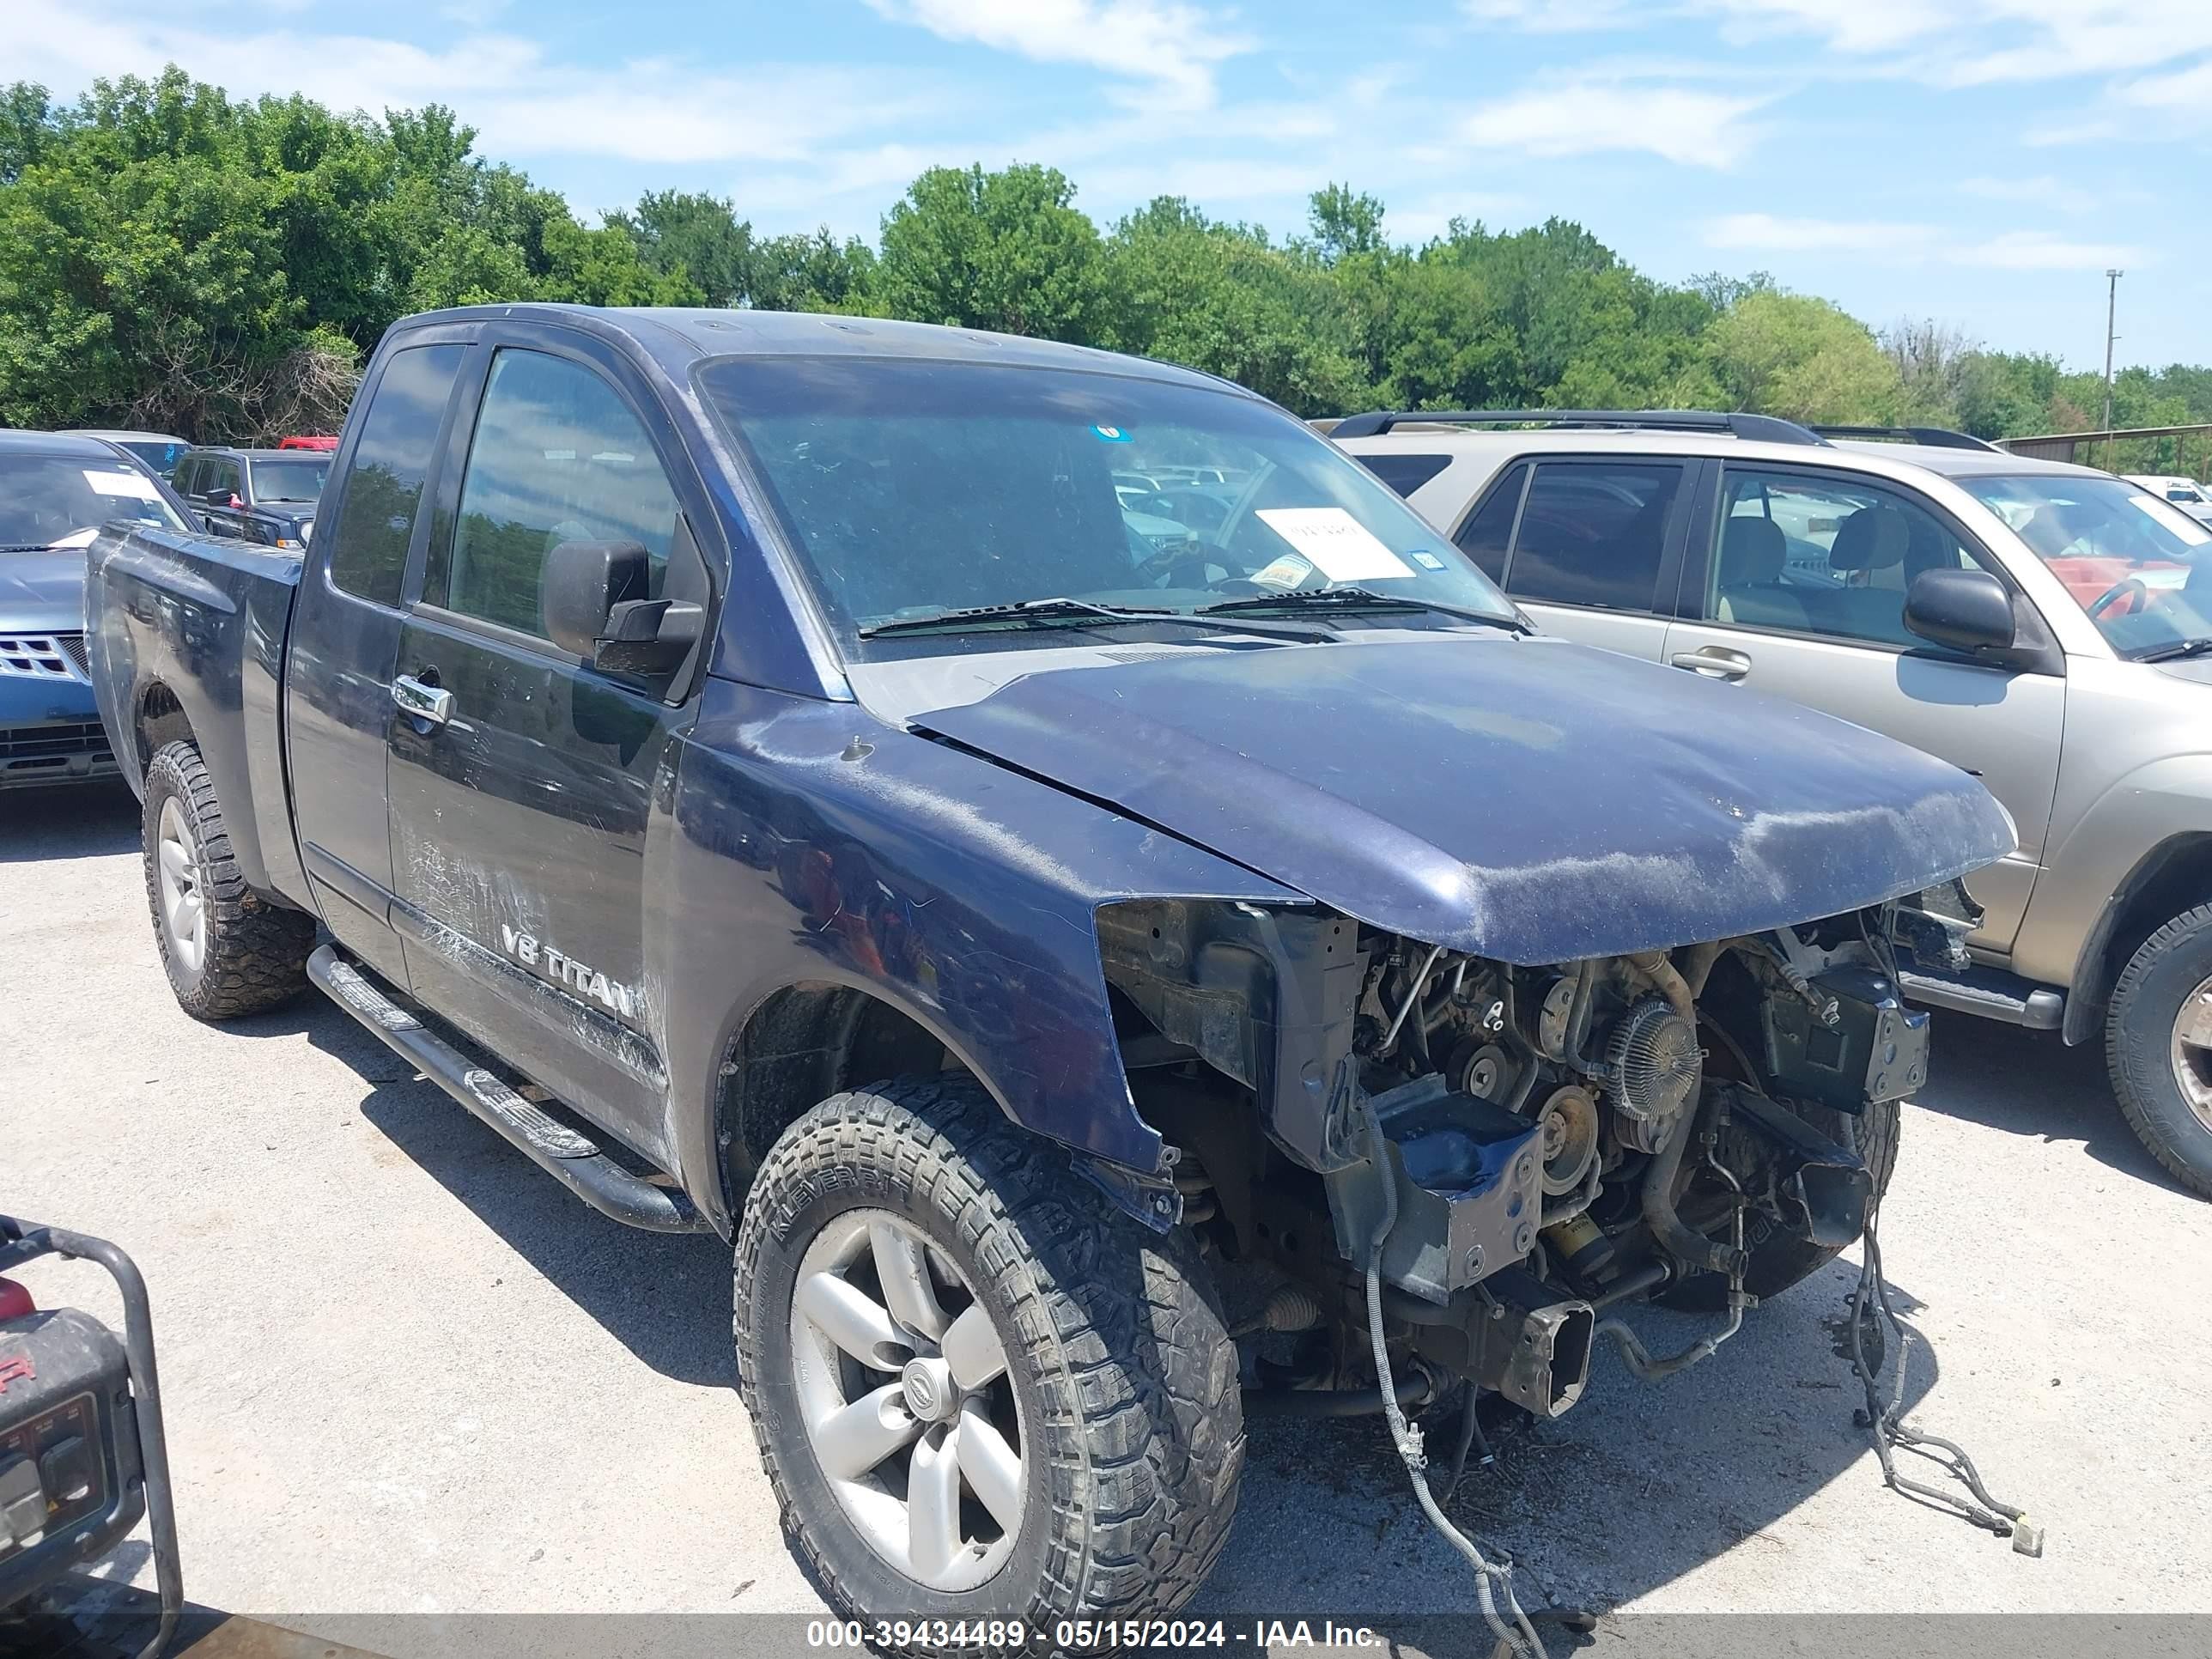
[1524, 800]
[42, 592]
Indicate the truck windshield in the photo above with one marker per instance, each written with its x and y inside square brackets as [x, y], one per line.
[50, 500]
[2139, 567]
[912, 486]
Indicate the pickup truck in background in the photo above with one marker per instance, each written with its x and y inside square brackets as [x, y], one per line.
[755, 764]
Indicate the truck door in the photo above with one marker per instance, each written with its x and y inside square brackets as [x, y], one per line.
[345, 639]
[523, 788]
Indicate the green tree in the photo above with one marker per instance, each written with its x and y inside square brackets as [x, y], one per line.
[1218, 298]
[1802, 358]
[1005, 251]
[698, 234]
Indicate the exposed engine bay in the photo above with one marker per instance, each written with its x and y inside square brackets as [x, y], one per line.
[1520, 1147]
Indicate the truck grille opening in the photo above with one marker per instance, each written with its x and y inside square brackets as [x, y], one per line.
[45, 657]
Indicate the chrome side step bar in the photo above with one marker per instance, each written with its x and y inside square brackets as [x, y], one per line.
[573, 1158]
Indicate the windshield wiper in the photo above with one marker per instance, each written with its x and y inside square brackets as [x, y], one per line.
[2175, 652]
[1357, 599]
[1047, 612]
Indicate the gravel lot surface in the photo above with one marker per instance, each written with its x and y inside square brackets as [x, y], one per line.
[406, 1374]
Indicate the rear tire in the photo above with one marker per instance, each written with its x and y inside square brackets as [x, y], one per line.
[1779, 1259]
[2158, 1047]
[228, 951]
[1120, 1401]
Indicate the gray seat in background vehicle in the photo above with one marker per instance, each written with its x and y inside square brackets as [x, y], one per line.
[1870, 542]
[1753, 552]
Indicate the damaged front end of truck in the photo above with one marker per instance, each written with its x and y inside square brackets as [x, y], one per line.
[1557, 1030]
[1545, 1142]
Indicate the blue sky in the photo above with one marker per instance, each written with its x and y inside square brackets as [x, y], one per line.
[1981, 161]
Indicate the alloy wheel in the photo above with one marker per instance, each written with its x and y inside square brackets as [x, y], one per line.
[2191, 1051]
[184, 901]
[902, 1383]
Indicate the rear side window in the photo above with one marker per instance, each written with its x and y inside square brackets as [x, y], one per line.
[1593, 533]
[1486, 537]
[1404, 473]
[368, 546]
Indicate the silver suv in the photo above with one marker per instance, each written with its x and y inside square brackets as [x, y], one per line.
[2048, 627]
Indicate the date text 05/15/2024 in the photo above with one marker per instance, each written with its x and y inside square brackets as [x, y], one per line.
[1011, 1636]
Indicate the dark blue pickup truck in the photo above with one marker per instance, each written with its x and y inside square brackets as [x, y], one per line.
[1104, 977]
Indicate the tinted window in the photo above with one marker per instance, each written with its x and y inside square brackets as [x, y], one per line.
[376, 521]
[187, 476]
[1592, 533]
[219, 475]
[557, 457]
[1821, 555]
[1404, 473]
[1486, 535]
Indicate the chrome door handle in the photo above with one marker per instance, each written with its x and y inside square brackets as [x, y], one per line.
[431, 703]
[1715, 662]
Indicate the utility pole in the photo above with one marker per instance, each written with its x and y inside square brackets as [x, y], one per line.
[2111, 312]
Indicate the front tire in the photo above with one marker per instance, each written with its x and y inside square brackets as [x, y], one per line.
[905, 1243]
[228, 951]
[2158, 1046]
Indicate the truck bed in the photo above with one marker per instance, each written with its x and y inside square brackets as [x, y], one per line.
[185, 636]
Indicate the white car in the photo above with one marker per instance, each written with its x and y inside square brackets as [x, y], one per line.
[2190, 497]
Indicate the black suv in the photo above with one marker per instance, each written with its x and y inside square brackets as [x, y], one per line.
[263, 496]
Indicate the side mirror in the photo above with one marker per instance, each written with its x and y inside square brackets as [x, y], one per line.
[593, 599]
[1966, 610]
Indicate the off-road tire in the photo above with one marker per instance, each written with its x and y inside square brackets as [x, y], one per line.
[1779, 1260]
[2138, 1028]
[1113, 1335]
[256, 952]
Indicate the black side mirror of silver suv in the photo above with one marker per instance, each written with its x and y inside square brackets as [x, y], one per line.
[1966, 610]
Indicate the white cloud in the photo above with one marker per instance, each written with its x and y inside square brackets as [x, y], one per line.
[1582, 118]
[646, 110]
[2041, 190]
[1767, 232]
[1557, 16]
[1905, 243]
[2036, 249]
[1170, 46]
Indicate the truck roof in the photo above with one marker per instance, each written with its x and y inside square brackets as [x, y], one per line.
[57, 443]
[678, 336]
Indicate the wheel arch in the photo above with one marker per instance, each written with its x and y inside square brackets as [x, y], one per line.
[802, 1042]
[158, 719]
[2174, 876]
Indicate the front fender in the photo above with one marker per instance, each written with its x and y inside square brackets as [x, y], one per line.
[810, 842]
[2087, 873]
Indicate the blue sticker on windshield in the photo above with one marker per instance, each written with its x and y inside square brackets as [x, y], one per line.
[1426, 560]
[1112, 434]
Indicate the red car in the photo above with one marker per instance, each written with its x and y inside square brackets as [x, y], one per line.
[308, 443]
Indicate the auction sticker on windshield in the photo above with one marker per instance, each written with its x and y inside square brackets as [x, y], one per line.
[1341, 548]
[128, 484]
